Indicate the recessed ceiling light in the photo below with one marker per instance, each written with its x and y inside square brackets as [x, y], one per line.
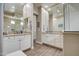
[27, 5]
[46, 6]
[12, 22]
[49, 9]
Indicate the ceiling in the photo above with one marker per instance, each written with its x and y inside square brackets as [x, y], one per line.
[16, 9]
[52, 6]
[44, 4]
[74, 6]
[56, 10]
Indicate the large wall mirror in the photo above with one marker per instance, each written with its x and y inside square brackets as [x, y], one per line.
[14, 22]
[53, 18]
[58, 17]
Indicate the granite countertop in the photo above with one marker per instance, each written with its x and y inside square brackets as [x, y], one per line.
[53, 32]
[28, 33]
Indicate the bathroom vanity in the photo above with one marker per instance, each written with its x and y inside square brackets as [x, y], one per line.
[17, 28]
[53, 39]
[53, 26]
[16, 42]
[16, 35]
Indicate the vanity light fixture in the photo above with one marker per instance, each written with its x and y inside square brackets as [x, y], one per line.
[49, 9]
[12, 22]
[22, 23]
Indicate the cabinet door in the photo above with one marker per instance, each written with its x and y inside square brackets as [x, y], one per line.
[43, 38]
[58, 43]
[57, 40]
[26, 42]
[61, 41]
[19, 38]
[51, 39]
[46, 38]
[10, 45]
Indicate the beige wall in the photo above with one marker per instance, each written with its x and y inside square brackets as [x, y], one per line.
[71, 39]
[71, 44]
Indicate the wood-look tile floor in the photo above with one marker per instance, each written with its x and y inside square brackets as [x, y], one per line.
[43, 50]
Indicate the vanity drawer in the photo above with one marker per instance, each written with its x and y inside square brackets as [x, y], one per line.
[19, 37]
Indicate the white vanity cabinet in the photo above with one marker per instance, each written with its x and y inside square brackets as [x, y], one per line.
[19, 38]
[14, 43]
[48, 39]
[53, 39]
[10, 45]
[61, 40]
[57, 41]
[26, 42]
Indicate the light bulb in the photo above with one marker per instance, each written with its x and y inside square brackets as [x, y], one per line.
[12, 22]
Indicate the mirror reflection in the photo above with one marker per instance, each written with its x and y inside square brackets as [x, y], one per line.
[52, 18]
[14, 22]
